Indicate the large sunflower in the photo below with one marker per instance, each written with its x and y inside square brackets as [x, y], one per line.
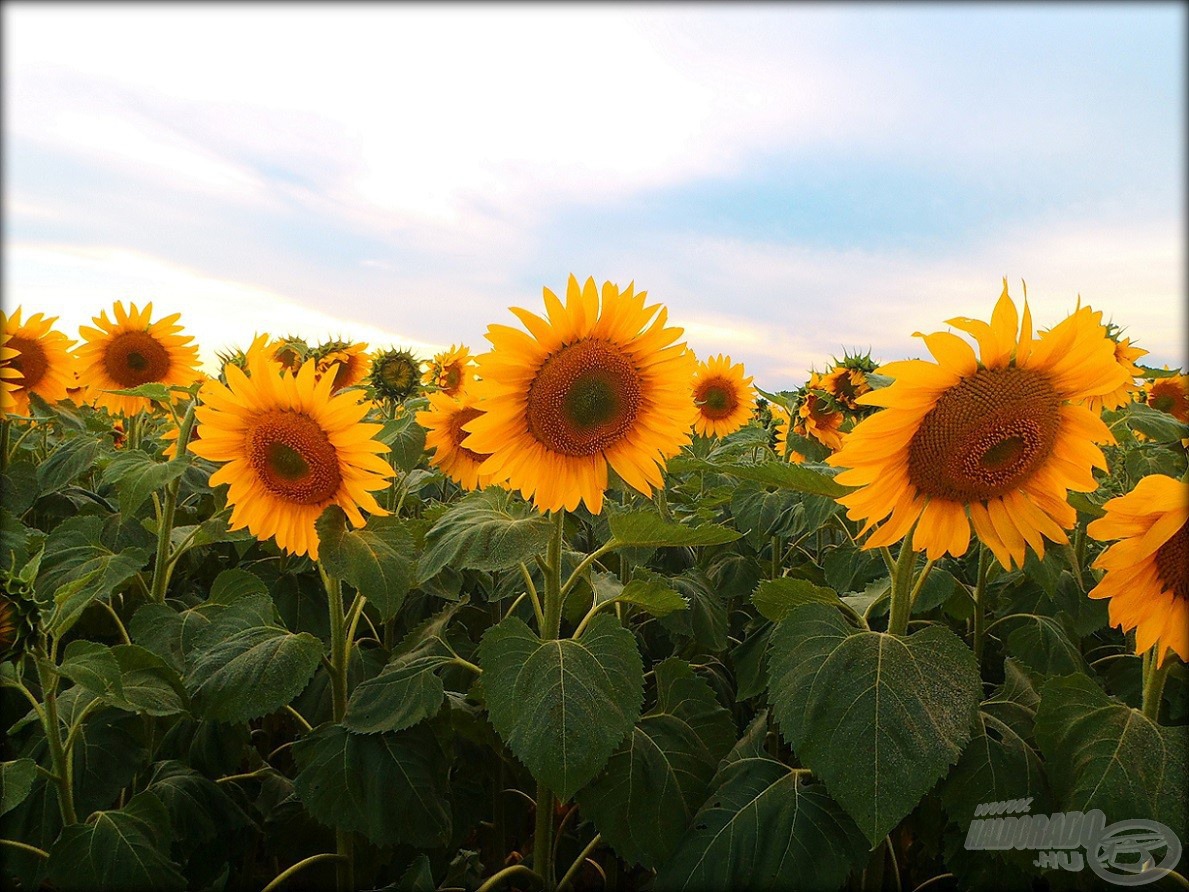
[595, 383]
[450, 371]
[1125, 356]
[42, 360]
[443, 423]
[133, 351]
[290, 448]
[1147, 572]
[1000, 437]
[10, 381]
[723, 395]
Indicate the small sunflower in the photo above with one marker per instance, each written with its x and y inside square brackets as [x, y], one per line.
[450, 371]
[1002, 438]
[723, 395]
[1126, 356]
[443, 423]
[784, 423]
[290, 352]
[290, 450]
[1147, 571]
[817, 418]
[133, 351]
[597, 383]
[349, 362]
[395, 375]
[1171, 395]
[42, 360]
[845, 386]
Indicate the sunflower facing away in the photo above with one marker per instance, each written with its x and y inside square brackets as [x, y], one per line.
[450, 371]
[723, 396]
[133, 351]
[349, 362]
[290, 449]
[999, 436]
[1171, 395]
[395, 374]
[597, 382]
[1147, 571]
[817, 419]
[443, 423]
[41, 360]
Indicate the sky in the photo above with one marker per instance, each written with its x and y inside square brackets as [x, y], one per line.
[793, 181]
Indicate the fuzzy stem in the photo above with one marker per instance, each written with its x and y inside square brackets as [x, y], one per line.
[339, 653]
[1154, 677]
[59, 757]
[163, 566]
[980, 596]
[901, 606]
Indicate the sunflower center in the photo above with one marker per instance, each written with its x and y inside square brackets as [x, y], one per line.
[1164, 402]
[1172, 563]
[715, 398]
[31, 361]
[986, 436]
[134, 358]
[293, 457]
[345, 373]
[584, 398]
[457, 434]
[452, 376]
[397, 374]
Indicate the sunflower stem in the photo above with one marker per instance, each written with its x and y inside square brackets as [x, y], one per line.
[980, 592]
[901, 606]
[543, 832]
[1154, 677]
[5, 427]
[59, 757]
[339, 652]
[163, 566]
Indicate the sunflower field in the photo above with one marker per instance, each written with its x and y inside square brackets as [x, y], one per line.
[586, 612]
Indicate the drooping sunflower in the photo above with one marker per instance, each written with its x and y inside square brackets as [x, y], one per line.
[999, 437]
[42, 359]
[723, 395]
[817, 419]
[133, 351]
[450, 371]
[349, 362]
[395, 374]
[596, 383]
[845, 385]
[1171, 395]
[290, 449]
[443, 423]
[1147, 571]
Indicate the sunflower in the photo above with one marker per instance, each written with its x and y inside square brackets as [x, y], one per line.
[76, 392]
[395, 374]
[598, 382]
[723, 396]
[784, 423]
[1147, 572]
[290, 352]
[443, 423]
[290, 449]
[42, 360]
[450, 371]
[1125, 356]
[133, 351]
[349, 362]
[1171, 395]
[816, 418]
[1002, 438]
[845, 385]
[10, 381]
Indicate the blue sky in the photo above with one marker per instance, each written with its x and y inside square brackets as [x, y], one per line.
[790, 180]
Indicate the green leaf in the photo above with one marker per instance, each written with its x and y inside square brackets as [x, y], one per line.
[878, 717]
[67, 462]
[405, 692]
[16, 781]
[484, 531]
[199, 809]
[1101, 753]
[72, 599]
[776, 598]
[705, 620]
[644, 799]
[562, 706]
[646, 589]
[780, 474]
[252, 673]
[158, 393]
[137, 475]
[150, 685]
[646, 529]
[764, 828]
[418, 877]
[378, 559]
[1041, 643]
[1159, 426]
[94, 667]
[389, 787]
[119, 849]
[232, 585]
[405, 439]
